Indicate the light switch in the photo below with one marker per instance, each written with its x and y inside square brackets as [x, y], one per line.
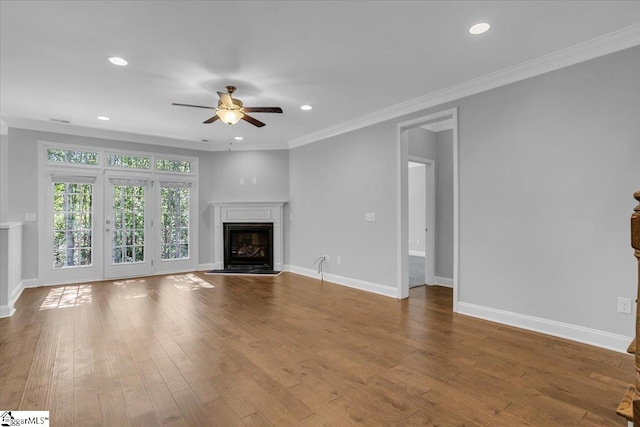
[241, 181]
[370, 216]
[30, 217]
[255, 180]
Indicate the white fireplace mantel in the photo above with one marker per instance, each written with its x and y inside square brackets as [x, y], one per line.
[267, 212]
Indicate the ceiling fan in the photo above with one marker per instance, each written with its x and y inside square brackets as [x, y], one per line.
[231, 110]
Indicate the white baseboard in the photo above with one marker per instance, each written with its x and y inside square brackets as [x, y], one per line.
[418, 253]
[9, 309]
[6, 310]
[206, 267]
[443, 281]
[577, 333]
[375, 288]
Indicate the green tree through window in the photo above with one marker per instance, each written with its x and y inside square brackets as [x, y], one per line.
[72, 224]
[175, 222]
[128, 223]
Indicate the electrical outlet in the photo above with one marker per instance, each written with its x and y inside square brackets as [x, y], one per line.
[326, 258]
[624, 305]
[338, 259]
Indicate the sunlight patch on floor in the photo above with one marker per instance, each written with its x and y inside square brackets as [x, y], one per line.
[189, 282]
[67, 296]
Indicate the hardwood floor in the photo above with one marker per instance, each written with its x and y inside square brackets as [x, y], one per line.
[197, 350]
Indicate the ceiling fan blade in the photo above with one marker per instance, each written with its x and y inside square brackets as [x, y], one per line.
[263, 109]
[211, 120]
[189, 105]
[225, 99]
[253, 121]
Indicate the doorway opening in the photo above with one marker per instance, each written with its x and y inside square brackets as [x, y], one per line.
[441, 219]
[421, 188]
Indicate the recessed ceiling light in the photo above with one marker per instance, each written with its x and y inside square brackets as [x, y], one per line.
[238, 138]
[105, 118]
[306, 107]
[118, 61]
[479, 28]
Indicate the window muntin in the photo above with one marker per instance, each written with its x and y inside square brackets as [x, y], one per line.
[72, 224]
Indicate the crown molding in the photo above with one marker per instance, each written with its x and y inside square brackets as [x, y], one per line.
[600, 46]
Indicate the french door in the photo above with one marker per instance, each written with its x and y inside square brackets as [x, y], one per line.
[128, 225]
[108, 215]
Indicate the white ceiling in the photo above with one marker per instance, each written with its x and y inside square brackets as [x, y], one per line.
[347, 59]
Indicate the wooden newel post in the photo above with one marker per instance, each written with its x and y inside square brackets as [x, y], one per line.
[635, 244]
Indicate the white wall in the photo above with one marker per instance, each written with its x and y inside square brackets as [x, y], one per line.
[417, 208]
[4, 177]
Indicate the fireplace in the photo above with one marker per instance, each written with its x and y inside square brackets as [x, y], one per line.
[248, 246]
[246, 213]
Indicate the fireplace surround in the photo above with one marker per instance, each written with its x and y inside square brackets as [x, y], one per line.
[255, 213]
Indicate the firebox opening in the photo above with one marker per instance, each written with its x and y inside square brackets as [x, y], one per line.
[248, 246]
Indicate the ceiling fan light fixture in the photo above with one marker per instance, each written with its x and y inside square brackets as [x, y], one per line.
[230, 117]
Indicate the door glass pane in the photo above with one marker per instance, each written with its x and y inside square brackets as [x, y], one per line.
[127, 241]
[72, 224]
[174, 240]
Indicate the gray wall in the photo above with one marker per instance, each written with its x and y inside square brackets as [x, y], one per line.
[548, 167]
[332, 185]
[444, 205]
[422, 142]
[217, 169]
[417, 208]
[270, 168]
